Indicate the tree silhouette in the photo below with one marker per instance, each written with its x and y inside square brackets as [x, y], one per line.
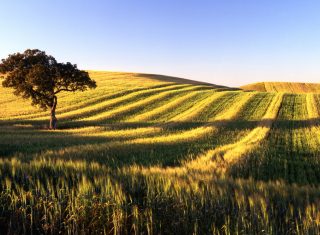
[38, 76]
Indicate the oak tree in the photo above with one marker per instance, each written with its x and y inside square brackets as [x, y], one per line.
[37, 76]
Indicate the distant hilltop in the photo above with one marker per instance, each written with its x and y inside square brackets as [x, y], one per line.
[155, 78]
[290, 87]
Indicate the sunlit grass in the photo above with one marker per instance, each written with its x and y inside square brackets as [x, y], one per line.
[289, 87]
[150, 154]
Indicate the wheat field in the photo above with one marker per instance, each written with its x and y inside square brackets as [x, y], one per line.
[289, 87]
[151, 154]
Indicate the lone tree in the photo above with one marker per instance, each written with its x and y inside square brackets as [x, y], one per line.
[38, 76]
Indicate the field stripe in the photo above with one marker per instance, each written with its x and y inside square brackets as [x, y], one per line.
[101, 107]
[158, 108]
[93, 99]
[199, 132]
[169, 106]
[220, 157]
[256, 108]
[180, 136]
[191, 135]
[199, 107]
[313, 114]
[154, 97]
[122, 133]
[233, 110]
[169, 114]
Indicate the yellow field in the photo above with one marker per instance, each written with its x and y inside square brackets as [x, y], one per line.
[289, 87]
[151, 154]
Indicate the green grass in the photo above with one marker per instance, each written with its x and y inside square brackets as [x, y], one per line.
[149, 154]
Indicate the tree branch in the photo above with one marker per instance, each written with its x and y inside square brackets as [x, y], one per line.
[65, 89]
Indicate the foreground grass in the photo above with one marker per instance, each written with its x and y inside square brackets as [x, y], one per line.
[145, 155]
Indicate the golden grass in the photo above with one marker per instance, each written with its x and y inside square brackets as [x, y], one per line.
[234, 109]
[143, 102]
[314, 115]
[154, 159]
[170, 105]
[199, 107]
[289, 87]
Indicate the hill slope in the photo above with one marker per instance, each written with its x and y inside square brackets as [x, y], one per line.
[150, 154]
[289, 87]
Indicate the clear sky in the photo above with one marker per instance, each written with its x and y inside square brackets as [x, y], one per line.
[228, 42]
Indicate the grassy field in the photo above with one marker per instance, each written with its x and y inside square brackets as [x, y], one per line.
[149, 154]
[289, 87]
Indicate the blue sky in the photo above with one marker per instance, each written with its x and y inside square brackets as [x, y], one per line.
[228, 42]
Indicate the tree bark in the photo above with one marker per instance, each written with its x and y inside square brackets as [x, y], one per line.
[53, 119]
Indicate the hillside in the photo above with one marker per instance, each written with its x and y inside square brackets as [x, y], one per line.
[151, 154]
[289, 87]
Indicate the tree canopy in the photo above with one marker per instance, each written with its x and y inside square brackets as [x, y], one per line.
[36, 75]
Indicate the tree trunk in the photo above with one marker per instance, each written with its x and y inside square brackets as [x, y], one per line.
[53, 119]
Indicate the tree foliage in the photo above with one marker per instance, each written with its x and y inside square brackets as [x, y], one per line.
[36, 75]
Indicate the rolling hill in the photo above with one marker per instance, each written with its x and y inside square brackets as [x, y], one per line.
[151, 154]
[288, 87]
